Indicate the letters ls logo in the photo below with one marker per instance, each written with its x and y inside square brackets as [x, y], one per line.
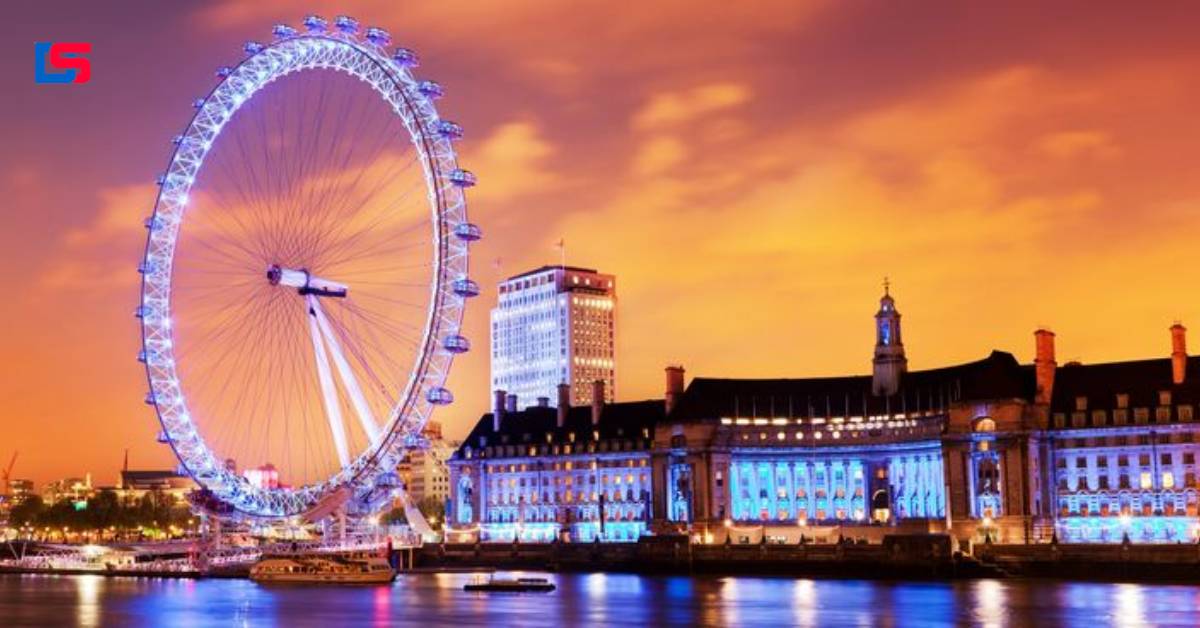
[61, 62]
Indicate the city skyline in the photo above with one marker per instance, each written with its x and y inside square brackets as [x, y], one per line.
[1024, 169]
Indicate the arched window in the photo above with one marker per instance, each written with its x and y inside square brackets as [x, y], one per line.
[985, 424]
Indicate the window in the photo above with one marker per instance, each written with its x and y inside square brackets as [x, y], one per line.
[1122, 400]
[1081, 403]
[1185, 413]
[1147, 482]
[1078, 419]
[1168, 479]
[1144, 460]
[1162, 414]
[1189, 458]
[1166, 459]
[1120, 416]
[1141, 415]
[1164, 397]
[1099, 417]
[1102, 462]
[1060, 420]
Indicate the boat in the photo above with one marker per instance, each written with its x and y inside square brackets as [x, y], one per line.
[512, 585]
[323, 568]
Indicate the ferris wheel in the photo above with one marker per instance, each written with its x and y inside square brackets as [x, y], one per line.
[305, 271]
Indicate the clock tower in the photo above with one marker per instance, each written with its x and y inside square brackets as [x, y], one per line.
[890, 363]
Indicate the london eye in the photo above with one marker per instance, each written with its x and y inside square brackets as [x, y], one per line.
[305, 271]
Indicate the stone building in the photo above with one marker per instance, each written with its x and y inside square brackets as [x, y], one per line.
[987, 449]
[572, 473]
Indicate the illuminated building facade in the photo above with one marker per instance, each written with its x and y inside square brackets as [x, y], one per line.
[135, 484]
[553, 325]
[424, 471]
[991, 449]
[1124, 449]
[68, 489]
[20, 490]
[578, 473]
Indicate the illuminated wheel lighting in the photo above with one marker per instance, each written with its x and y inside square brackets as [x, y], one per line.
[299, 305]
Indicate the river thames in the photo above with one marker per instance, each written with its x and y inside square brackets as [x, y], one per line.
[594, 599]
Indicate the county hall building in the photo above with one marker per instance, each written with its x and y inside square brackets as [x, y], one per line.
[987, 449]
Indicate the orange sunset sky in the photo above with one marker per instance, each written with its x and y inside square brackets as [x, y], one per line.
[749, 171]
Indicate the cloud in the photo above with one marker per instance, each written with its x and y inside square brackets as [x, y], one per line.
[102, 254]
[1072, 144]
[121, 212]
[774, 238]
[658, 154]
[675, 108]
[513, 161]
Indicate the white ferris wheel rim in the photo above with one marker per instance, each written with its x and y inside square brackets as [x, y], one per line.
[411, 100]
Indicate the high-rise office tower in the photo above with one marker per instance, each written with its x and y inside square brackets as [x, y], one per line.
[553, 325]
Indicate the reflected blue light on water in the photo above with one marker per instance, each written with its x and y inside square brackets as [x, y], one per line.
[594, 599]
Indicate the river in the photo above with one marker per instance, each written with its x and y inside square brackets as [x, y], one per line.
[593, 599]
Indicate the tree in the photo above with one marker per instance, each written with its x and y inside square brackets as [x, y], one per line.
[432, 508]
[27, 512]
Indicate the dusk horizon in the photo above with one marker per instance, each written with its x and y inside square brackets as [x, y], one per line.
[750, 182]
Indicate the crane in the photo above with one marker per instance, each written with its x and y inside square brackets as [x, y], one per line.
[7, 488]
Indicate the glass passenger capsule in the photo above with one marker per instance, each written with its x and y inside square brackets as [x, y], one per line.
[439, 396]
[457, 344]
[431, 89]
[315, 24]
[449, 130]
[406, 57]
[465, 287]
[467, 231]
[283, 31]
[346, 24]
[378, 36]
[462, 178]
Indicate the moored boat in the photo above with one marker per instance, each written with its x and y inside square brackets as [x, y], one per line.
[513, 585]
[330, 568]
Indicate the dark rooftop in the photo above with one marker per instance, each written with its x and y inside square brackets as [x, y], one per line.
[1142, 380]
[552, 267]
[997, 376]
[622, 420]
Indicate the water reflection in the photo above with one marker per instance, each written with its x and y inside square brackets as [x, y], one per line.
[604, 599]
[989, 600]
[804, 602]
[88, 605]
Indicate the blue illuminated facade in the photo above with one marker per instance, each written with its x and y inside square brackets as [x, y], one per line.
[987, 450]
[575, 474]
[1124, 450]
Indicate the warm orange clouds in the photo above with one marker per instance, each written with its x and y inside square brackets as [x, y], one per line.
[749, 171]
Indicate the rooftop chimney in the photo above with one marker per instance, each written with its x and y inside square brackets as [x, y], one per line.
[1179, 355]
[497, 409]
[564, 403]
[1044, 365]
[510, 403]
[543, 402]
[597, 400]
[674, 386]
